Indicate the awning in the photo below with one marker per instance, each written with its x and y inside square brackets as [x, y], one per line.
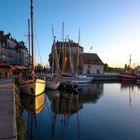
[1, 62]
[19, 67]
[12, 67]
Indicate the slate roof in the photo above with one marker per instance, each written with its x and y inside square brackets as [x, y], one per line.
[91, 58]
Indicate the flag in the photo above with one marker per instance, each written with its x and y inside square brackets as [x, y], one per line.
[91, 48]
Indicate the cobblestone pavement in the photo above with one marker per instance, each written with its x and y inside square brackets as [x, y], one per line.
[7, 110]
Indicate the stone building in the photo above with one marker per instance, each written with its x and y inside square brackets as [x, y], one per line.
[22, 55]
[12, 52]
[67, 54]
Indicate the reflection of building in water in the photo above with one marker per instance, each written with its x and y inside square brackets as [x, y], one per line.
[63, 106]
[90, 93]
[32, 105]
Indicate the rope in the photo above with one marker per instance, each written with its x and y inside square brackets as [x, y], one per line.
[38, 47]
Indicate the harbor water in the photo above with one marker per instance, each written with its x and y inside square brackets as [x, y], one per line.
[100, 111]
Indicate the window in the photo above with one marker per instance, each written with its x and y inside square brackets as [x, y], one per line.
[98, 71]
[89, 66]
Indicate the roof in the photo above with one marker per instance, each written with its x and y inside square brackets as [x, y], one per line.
[67, 43]
[91, 58]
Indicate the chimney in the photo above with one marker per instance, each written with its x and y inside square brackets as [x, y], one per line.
[1, 34]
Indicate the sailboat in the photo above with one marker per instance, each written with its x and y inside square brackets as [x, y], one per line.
[30, 83]
[52, 83]
[52, 80]
[78, 78]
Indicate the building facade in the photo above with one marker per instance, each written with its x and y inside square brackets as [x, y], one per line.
[72, 59]
[91, 64]
[66, 53]
[12, 52]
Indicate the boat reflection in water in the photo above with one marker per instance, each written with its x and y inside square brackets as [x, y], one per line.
[65, 106]
[32, 105]
[90, 92]
[62, 106]
[132, 88]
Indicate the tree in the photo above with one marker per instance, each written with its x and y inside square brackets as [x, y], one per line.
[106, 68]
[39, 68]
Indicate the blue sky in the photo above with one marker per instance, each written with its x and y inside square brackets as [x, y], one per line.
[111, 27]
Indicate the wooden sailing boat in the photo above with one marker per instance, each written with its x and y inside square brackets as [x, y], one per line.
[53, 79]
[78, 78]
[30, 83]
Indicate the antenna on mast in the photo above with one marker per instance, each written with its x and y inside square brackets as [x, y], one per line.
[130, 61]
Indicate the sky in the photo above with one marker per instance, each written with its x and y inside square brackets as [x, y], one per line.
[111, 27]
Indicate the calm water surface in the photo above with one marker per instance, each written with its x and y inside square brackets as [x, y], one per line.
[103, 111]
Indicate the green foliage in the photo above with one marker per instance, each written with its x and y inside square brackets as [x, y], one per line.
[106, 68]
[111, 69]
[40, 68]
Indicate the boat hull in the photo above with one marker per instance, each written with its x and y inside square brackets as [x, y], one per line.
[52, 84]
[125, 77]
[79, 79]
[33, 88]
[68, 86]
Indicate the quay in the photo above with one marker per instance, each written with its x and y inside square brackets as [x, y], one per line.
[8, 128]
[107, 77]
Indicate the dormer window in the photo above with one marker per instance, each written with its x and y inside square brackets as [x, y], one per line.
[9, 36]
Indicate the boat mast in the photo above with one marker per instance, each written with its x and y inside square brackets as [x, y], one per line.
[29, 41]
[70, 56]
[32, 34]
[53, 51]
[55, 55]
[77, 69]
[62, 68]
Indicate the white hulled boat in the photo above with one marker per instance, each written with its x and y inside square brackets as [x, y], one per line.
[79, 79]
[52, 83]
[52, 80]
[32, 84]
